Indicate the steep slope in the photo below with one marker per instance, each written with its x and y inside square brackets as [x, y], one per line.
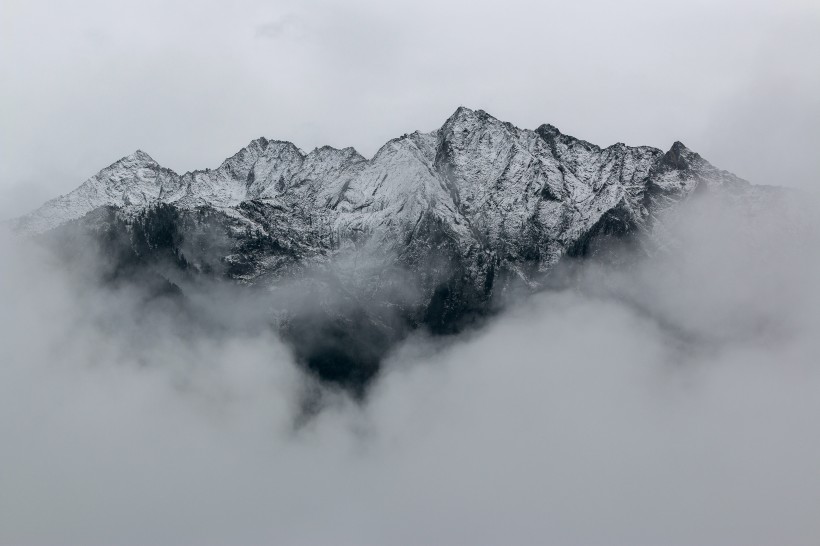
[133, 182]
[487, 179]
[429, 232]
[529, 196]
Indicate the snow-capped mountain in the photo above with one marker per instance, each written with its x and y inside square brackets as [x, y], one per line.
[530, 196]
[429, 231]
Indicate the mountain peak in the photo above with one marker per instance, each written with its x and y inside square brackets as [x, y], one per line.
[137, 159]
[466, 120]
[679, 147]
[261, 142]
[548, 130]
[140, 156]
[478, 156]
[327, 149]
[463, 111]
[679, 156]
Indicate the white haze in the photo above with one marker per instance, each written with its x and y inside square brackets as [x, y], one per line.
[674, 402]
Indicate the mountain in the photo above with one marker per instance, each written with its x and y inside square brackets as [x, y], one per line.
[433, 231]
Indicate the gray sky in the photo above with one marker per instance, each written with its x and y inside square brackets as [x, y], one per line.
[87, 82]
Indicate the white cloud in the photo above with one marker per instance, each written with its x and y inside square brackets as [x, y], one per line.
[673, 402]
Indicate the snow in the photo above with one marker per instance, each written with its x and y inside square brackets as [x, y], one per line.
[487, 182]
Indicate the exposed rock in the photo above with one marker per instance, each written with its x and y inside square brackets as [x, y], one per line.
[429, 232]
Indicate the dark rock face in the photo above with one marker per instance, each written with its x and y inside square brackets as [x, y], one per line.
[433, 232]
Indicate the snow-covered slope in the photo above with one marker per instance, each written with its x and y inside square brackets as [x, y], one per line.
[134, 181]
[434, 230]
[527, 197]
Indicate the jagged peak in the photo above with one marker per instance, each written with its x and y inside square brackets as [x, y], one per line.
[462, 133]
[260, 147]
[261, 142]
[347, 152]
[283, 144]
[551, 133]
[462, 111]
[466, 120]
[135, 159]
[680, 157]
[680, 148]
[548, 130]
[267, 145]
[139, 156]
[464, 114]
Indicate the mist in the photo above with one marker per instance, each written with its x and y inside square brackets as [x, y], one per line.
[669, 399]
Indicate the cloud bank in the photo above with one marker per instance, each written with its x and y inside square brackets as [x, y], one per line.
[669, 401]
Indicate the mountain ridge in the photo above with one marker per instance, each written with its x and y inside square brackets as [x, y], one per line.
[223, 193]
[434, 231]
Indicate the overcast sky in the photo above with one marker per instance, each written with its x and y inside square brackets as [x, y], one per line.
[87, 82]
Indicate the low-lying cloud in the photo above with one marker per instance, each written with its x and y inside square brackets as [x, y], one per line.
[671, 401]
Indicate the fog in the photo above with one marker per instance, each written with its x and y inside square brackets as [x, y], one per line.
[670, 401]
